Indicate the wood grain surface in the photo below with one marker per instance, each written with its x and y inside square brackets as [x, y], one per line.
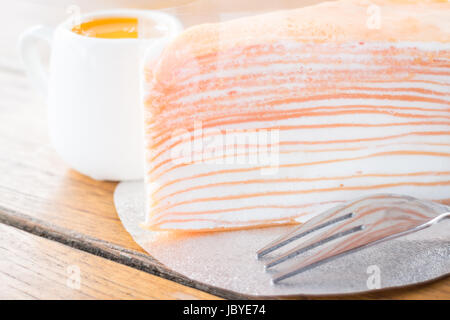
[36, 268]
[66, 217]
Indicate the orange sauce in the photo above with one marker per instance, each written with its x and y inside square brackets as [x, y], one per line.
[109, 28]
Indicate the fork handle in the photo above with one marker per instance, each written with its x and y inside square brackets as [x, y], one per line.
[433, 221]
[440, 217]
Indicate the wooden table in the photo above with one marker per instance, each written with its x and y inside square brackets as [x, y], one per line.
[60, 236]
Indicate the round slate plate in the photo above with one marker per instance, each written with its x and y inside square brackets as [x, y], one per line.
[227, 259]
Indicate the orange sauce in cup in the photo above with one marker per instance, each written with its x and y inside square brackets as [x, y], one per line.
[109, 28]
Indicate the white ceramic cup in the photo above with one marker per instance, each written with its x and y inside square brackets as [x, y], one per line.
[92, 89]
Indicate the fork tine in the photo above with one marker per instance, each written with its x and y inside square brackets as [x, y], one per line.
[344, 245]
[321, 221]
[331, 251]
[315, 242]
[304, 229]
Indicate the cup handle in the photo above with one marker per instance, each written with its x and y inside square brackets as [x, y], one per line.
[31, 57]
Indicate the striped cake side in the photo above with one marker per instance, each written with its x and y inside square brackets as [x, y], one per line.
[352, 118]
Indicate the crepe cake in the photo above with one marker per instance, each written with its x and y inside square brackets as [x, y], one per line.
[272, 119]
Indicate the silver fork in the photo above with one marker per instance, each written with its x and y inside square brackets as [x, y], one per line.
[353, 226]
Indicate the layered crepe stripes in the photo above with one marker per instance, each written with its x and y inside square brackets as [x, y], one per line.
[352, 118]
